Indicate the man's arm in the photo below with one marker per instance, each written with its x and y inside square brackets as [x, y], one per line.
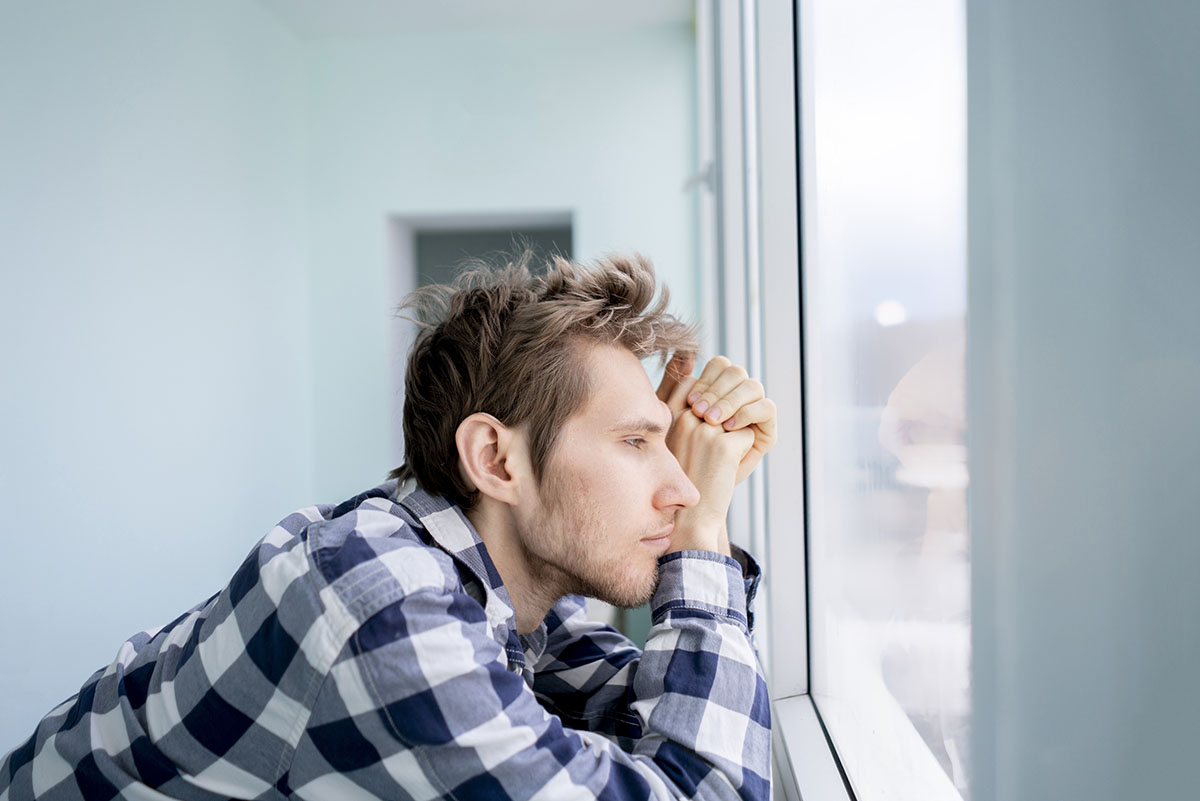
[586, 671]
[585, 674]
[437, 713]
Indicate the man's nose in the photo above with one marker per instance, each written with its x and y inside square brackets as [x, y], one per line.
[677, 489]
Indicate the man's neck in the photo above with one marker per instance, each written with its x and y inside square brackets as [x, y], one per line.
[532, 586]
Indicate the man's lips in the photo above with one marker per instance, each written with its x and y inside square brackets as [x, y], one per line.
[663, 534]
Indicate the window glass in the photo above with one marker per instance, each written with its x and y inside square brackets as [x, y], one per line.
[885, 302]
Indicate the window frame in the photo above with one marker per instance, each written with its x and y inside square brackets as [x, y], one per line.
[747, 65]
[807, 764]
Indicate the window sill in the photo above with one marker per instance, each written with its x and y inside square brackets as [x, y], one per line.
[807, 770]
[805, 764]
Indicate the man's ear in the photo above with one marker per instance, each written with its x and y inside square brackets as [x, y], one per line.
[490, 456]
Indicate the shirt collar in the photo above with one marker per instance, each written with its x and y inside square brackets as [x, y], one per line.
[453, 532]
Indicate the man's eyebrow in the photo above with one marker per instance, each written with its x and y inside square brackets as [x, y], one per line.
[637, 424]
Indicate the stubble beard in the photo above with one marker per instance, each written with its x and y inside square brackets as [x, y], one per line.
[563, 548]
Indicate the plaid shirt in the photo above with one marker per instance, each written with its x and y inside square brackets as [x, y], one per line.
[369, 650]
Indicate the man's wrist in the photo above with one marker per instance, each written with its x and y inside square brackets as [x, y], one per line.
[700, 580]
[704, 536]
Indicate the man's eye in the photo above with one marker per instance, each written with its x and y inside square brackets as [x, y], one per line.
[636, 442]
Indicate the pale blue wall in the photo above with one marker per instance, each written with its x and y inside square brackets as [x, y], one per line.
[154, 405]
[599, 122]
[1084, 381]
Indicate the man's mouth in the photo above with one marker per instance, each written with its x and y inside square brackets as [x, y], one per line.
[662, 537]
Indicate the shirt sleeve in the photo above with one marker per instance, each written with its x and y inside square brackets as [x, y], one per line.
[421, 705]
[585, 674]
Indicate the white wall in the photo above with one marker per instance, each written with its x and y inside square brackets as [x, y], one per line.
[1084, 362]
[598, 121]
[154, 399]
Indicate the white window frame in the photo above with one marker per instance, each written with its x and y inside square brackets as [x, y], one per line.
[748, 148]
[807, 766]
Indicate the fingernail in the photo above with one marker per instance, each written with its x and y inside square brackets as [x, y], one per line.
[714, 413]
[729, 424]
[701, 407]
[692, 398]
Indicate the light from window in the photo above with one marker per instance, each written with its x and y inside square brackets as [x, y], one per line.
[885, 304]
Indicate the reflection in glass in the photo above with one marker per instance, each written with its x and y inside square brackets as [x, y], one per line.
[885, 278]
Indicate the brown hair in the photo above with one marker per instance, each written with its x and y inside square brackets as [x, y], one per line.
[509, 343]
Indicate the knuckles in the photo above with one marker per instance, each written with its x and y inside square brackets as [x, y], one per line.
[692, 431]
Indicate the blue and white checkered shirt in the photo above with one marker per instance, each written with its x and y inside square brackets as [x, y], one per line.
[369, 650]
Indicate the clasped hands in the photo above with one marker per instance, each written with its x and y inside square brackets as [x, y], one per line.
[722, 426]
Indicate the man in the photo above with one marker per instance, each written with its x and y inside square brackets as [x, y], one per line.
[426, 639]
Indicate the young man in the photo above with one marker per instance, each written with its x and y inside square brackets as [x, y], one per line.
[426, 639]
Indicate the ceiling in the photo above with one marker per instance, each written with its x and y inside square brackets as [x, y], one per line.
[325, 19]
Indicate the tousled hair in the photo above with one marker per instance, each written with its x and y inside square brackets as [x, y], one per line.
[513, 344]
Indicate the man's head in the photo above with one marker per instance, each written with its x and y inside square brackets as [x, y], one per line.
[514, 345]
[527, 392]
[606, 508]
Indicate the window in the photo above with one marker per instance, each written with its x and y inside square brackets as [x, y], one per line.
[868, 657]
[884, 283]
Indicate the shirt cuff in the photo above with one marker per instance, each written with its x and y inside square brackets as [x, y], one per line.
[751, 575]
[707, 581]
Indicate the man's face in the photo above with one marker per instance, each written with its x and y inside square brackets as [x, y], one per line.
[610, 489]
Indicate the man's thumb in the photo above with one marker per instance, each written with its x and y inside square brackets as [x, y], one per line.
[679, 368]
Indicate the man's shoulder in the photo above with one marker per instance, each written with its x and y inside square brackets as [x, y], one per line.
[369, 546]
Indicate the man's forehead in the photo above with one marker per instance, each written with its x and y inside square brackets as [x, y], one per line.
[621, 394]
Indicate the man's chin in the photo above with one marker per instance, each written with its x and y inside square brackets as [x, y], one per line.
[629, 594]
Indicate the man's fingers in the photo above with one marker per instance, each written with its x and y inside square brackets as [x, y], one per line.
[765, 425]
[679, 368]
[727, 399]
[677, 400]
[761, 413]
[716, 365]
[721, 409]
[704, 396]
